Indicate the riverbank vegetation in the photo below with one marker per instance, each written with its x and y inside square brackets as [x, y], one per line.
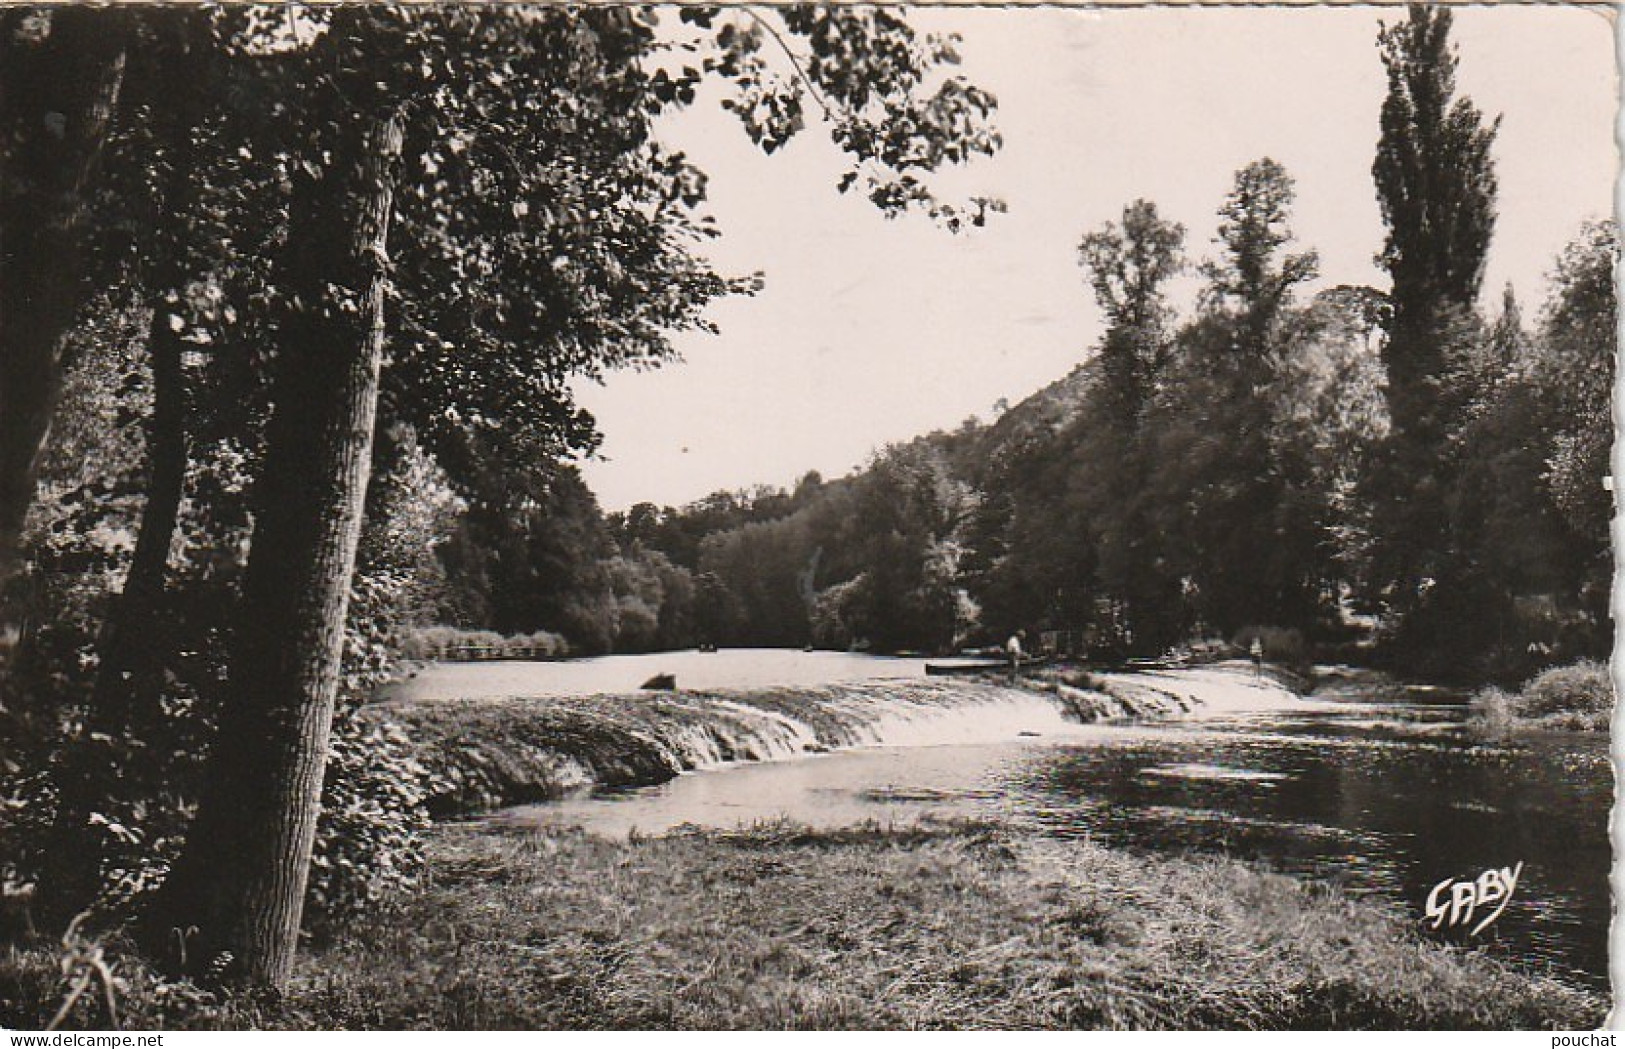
[1576, 698]
[928, 926]
[445, 642]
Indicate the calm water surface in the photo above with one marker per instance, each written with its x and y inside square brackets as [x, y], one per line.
[731, 668]
[1380, 798]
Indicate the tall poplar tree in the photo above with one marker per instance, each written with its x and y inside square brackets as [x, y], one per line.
[1436, 187]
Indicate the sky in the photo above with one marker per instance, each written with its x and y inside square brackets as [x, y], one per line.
[871, 331]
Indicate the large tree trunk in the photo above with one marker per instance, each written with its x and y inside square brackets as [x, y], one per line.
[239, 888]
[60, 73]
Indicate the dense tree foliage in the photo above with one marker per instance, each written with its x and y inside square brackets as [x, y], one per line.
[61, 71]
[364, 252]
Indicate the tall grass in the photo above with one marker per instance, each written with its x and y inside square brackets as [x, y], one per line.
[925, 926]
[1493, 709]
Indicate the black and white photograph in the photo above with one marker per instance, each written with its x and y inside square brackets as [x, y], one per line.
[817, 517]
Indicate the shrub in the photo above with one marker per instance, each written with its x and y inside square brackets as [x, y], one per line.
[1583, 688]
[369, 843]
[432, 642]
[1493, 709]
[1577, 697]
[546, 643]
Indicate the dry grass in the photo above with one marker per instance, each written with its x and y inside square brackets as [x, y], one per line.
[932, 926]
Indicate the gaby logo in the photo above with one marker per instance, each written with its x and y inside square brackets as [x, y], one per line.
[1454, 902]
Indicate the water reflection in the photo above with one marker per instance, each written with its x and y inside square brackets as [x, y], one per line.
[1396, 814]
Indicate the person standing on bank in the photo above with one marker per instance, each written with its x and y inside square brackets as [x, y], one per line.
[1013, 647]
[1257, 652]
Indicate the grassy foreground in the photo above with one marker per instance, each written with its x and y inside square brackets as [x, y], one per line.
[934, 926]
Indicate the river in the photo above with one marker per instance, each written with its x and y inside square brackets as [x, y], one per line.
[1379, 797]
[730, 668]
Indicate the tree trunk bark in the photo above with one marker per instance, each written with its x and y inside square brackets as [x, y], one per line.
[60, 74]
[236, 896]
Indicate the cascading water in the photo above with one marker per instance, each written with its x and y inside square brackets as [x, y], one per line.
[871, 714]
[484, 753]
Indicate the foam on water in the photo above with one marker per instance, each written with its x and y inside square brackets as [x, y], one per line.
[752, 725]
[871, 714]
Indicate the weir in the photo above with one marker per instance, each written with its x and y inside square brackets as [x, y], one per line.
[490, 752]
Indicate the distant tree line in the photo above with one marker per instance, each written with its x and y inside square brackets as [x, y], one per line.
[1392, 475]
